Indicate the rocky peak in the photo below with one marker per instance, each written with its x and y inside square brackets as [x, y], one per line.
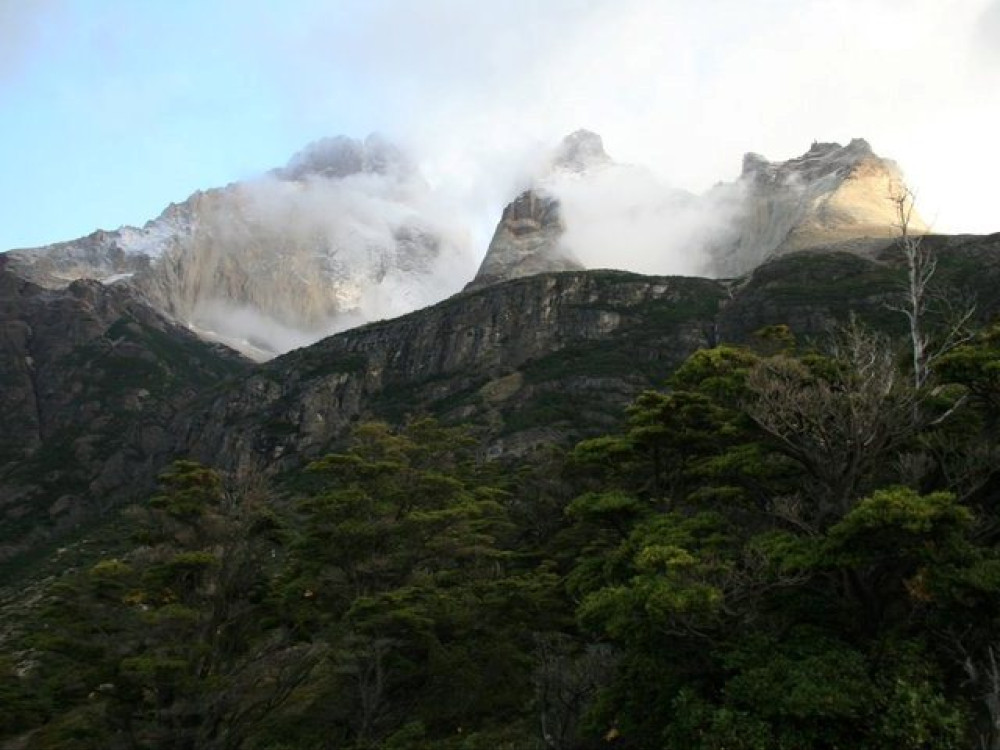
[340, 156]
[580, 151]
[528, 239]
[828, 195]
[820, 160]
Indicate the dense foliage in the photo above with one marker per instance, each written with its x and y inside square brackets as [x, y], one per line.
[782, 549]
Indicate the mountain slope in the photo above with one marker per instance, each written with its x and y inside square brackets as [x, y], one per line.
[91, 378]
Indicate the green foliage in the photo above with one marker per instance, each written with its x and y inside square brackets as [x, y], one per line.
[819, 573]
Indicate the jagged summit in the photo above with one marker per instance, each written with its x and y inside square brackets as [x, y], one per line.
[829, 194]
[821, 159]
[580, 151]
[341, 156]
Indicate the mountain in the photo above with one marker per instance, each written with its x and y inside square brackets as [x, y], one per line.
[288, 571]
[348, 231]
[831, 194]
[585, 210]
[529, 237]
[533, 361]
[345, 232]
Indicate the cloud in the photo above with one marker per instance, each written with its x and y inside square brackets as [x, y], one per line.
[621, 216]
[988, 31]
[683, 87]
[275, 263]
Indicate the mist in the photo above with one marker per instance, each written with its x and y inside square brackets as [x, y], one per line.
[111, 111]
[623, 217]
[282, 260]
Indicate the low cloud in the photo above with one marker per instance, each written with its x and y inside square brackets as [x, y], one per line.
[276, 263]
[620, 216]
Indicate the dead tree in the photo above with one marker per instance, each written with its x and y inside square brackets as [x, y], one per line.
[838, 426]
[921, 266]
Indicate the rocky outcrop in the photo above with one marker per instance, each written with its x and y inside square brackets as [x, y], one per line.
[338, 236]
[527, 241]
[829, 195]
[529, 237]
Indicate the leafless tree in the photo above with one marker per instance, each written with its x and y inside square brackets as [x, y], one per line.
[921, 266]
[837, 425]
[363, 660]
[982, 671]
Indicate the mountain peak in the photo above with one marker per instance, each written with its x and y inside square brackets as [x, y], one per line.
[340, 156]
[580, 151]
[821, 158]
[829, 194]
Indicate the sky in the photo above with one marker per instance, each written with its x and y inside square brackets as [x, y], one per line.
[111, 109]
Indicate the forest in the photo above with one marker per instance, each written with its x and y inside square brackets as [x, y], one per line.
[790, 545]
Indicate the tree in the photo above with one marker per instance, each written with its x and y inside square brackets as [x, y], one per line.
[170, 640]
[839, 417]
[921, 266]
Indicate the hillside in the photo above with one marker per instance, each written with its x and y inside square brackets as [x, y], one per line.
[536, 361]
[767, 531]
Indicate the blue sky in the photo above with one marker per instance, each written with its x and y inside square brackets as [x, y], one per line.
[110, 109]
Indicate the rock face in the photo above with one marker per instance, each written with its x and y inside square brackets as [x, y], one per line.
[526, 241]
[338, 236]
[829, 195]
[529, 237]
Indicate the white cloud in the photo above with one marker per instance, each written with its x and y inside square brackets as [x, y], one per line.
[687, 87]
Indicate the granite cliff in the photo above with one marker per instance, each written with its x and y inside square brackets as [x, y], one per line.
[831, 194]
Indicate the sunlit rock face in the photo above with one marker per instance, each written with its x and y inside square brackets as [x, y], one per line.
[829, 195]
[346, 232]
[584, 210]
